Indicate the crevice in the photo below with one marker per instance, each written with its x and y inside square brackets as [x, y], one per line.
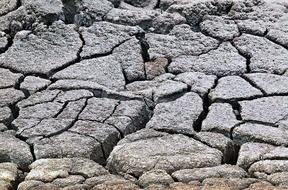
[144, 46]
[236, 109]
[61, 110]
[101, 144]
[171, 97]
[167, 66]
[10, 40]
[157, 6]
[246, 56]
[252, 83]
[261, 123]
[70, 10]
[31, 146]
[77, 60]
[233, 128]
[113, 111]
[197, 125]
[275, 42]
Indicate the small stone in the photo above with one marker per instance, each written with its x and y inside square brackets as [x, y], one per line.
[15, 151]
[266, 109]
[34, 84]
[199, 174]
[9, 79]
[233, 88]
[178, 115]
[156, 68]
[270, 83]
[219, 27]
[225, 60]
[10, 96]
[250, 132]
[169, 153]
[220, 118]
[155, 177]
[199, 82]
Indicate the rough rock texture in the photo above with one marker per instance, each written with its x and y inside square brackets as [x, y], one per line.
[222, 61]
[163, 94]
[166, 152]
[43, 51]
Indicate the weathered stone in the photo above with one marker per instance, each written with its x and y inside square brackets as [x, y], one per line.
[280, 178]
[68, 144]
[109, 178]
[106, 134]
[278, 32]
[103, 37]
[165, 22]
[3, 127]
[3, 41]
[99, 109]
[34, 84]
[168, 88]
[251, 152]
[10, 96]
[250, 132]
[156, 67]
[220, 118]
[158, 91]
[9, 175]
[44, 51]
[199, 82]
[104, 70]
[15, 151]
[219, 27]
[256, 27]
[155, 177]
[178, 115]
[150, 4]
[265, 55]
[39, 98]
[7, 5]
[40, 111]
[47, 170]
[263, 168]
[222, 61]
[169, 153]
[180, 41]
[199, 174]
[267, 109]
[221, 142]
[8, 79]
[46, 127]
[87, 11]
[6, 115]
[233, 88]
[270, 83]
[142, 18]
[73, 95]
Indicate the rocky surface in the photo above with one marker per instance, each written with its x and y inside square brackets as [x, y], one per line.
[143, 94]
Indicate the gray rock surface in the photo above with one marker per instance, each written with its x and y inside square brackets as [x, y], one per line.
[180, 41]
[8, 79]
[44, 51]
[9, 175]
[220, 118]
[106, 71]
[167, 152]
[233, 88]
[222, 61]
[34, 84]
[199, 174]
[278, 105]
[14, 150]
[170, 94]
[265, 55]
[177, 116]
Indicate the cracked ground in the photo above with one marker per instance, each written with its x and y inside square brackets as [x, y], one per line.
[143, 94]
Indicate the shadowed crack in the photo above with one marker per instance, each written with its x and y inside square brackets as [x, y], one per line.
[254, 84]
